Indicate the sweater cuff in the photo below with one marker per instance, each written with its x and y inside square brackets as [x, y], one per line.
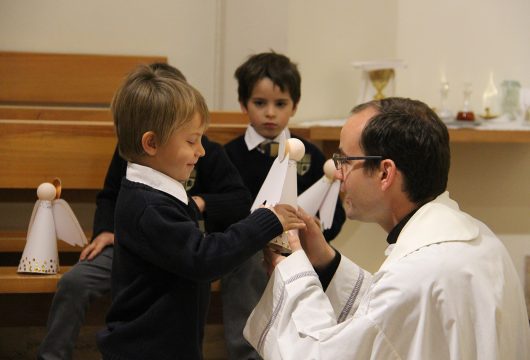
[267, 220]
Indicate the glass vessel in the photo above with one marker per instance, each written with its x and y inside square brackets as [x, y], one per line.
[510, 98]
[466, 114]
[444, 113]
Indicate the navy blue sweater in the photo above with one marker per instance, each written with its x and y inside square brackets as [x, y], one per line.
[216, 180]
[161, 291]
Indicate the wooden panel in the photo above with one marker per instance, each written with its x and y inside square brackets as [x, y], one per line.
[12, 282]
[73, 79]
[488, 136]
[10, 112]
[34, 152]
[332, 133]
[228, 117]
[78, 152]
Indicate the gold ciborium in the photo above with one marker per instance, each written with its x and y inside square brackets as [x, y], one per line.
[380, 79]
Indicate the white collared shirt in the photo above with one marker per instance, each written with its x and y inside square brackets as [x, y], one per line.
[157, 180]
[253, 139]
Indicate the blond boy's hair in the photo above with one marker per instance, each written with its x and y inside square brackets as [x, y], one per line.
[149, 100]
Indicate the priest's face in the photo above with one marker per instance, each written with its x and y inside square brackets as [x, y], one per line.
[361, 190]
[269, 108]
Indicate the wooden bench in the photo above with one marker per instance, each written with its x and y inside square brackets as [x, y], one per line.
[55, 121]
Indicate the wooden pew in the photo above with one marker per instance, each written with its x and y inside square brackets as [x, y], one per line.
[55, 121]
[34, 149]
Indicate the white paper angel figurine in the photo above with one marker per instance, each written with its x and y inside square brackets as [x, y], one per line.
[322, 196]
[52, 219]
[280, 185]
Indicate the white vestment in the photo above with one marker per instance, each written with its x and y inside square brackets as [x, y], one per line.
[448, 290]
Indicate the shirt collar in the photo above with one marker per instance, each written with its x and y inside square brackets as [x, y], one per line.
[253, 139]
[396, 230]
[157, 180]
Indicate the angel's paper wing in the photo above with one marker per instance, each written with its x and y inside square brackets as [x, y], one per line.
[327, 209]
[311, 199]
[271, 189]
[66, 225]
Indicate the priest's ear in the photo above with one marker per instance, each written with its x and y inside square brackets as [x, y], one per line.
[387, 173]
[149, 143]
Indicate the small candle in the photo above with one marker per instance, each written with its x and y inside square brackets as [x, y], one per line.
[489, 97]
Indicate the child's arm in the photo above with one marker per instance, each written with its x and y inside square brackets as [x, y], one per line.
[171, 240]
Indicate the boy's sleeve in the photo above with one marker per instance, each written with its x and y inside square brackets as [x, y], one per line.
[171, 240]
[226, 197]
[106, 198]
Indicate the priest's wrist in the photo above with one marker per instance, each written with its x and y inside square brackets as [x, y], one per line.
[323, 259]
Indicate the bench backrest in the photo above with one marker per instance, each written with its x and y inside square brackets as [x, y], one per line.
[64, 79]
[55, 119]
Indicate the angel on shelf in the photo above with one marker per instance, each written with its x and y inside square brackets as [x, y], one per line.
[51, 219]
[280, 185]
[322, 196]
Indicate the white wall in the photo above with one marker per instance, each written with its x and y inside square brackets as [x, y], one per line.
[462, 41]
[182, 30]
[249, 27]
[208, 39]
[325, 37]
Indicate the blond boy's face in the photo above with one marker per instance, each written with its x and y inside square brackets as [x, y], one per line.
[269, 109]
[178, 156]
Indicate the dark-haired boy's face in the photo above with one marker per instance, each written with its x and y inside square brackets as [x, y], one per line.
[269, 108]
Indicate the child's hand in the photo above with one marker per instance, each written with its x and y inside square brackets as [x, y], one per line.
[200, 203]
[288, 217]
[97, 245]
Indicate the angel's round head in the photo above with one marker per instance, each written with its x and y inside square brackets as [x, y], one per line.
[329, 169]
[295, 148]
[46, 191]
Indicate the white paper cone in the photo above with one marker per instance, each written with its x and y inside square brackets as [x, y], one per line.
[40, 254]
[290, 187]
[270, 192]
[289, 193]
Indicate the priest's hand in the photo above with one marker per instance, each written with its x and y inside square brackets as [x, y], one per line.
[272, 255]
[271, 258]
[199, 201]
[319, 252]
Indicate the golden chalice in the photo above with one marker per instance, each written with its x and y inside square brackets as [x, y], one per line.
[380, 79]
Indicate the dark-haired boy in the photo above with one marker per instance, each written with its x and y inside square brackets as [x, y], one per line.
[268, 92]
